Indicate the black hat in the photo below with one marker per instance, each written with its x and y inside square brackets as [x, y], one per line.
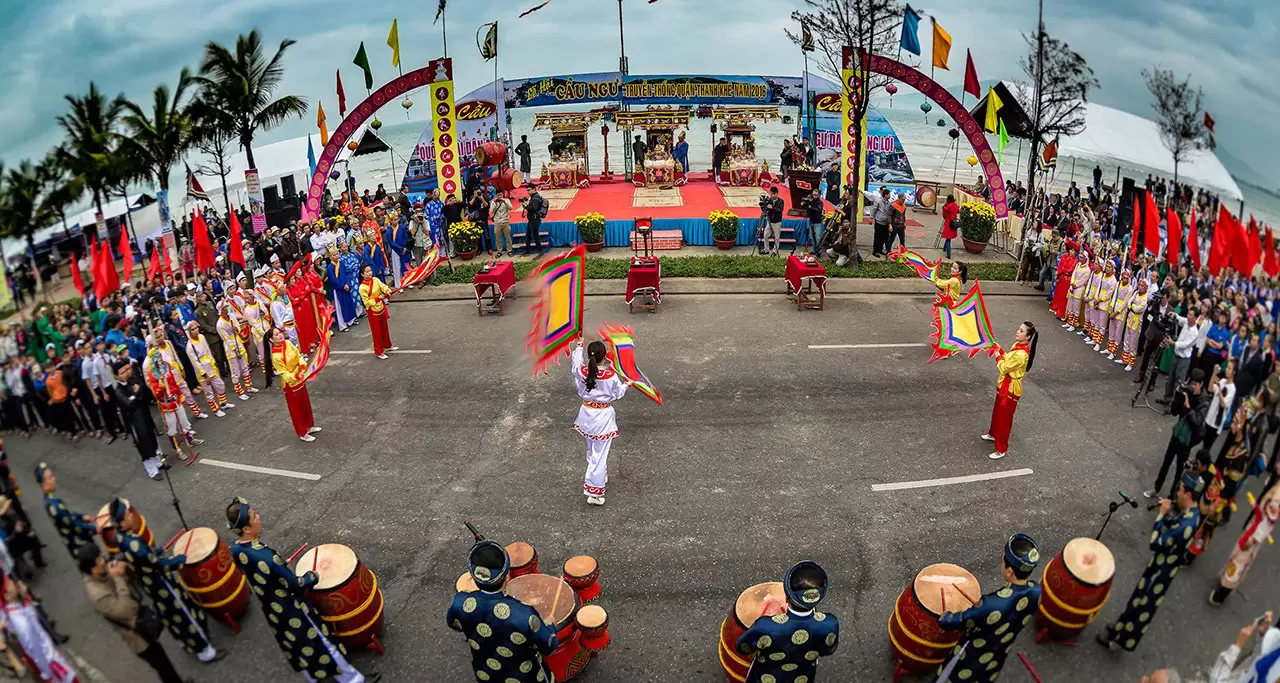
[805, 585]
[489, 565]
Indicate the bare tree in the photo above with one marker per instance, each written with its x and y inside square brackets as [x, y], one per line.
[216, 143]
[1062, 79]
[1179, 115]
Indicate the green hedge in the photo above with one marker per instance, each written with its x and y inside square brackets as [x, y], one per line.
[730, 266]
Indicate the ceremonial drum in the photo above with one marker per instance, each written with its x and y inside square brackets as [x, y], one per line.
[347, 594]
[558, 605]
[210, 576]
[524, 559]
[918, 641]
[745, 611]
[593, 623]
[582, 572]
[1076, 584]
[491, 154]
[507, 179]
[109, 535]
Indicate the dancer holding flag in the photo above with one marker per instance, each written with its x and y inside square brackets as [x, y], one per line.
[288, 363]
[1013, 365]
[374, 293]
[598, 386]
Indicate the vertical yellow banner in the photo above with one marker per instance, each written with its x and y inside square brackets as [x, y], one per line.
[853, 168]
[444, 120]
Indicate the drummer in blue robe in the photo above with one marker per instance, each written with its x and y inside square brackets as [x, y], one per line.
[992, 624]
[299, 631]
[787, 645]
[185, 620]
[342, 276]
[1170, 535]
[75, 529]
[508, 639]
[400, 250]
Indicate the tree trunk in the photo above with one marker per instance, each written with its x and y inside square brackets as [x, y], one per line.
[225, 198]
[247, 144]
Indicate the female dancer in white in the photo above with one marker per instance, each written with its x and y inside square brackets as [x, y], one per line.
[599, 385]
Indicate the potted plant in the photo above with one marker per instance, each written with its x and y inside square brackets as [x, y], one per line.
[724, 228]
[591, 230]
[977, 222]
[465, 236]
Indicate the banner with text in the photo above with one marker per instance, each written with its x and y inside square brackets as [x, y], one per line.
[444, 120]
[257, 203]
[480, 119]
[782, 91]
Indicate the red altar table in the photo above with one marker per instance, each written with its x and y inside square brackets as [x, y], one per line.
[744, 173]
[494, 283]
[807, 282]
[644, 282]
[562, 175]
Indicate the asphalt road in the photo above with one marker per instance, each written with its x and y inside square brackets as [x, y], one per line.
[765, 453]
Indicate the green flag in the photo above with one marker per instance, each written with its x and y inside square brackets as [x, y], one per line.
[362, 61]
[1004, 140]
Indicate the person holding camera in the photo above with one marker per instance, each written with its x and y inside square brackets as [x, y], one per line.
[108, 589]
[1187, 431]
[816, 212]
[1184, 343]
[771, 205]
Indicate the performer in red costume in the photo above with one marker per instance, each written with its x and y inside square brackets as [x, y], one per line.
[1062, 283]
[1013, 366]
[293, 379]
[300, 301]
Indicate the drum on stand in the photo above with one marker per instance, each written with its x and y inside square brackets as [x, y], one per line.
[583, 573]
[347, 594]
[746, 609]
[919, 643]
[593, 623]
[211, 576]
[109, 535]
[1076, 584]
[557, 603]
[491, 154]
[524, 559]
[507, 179]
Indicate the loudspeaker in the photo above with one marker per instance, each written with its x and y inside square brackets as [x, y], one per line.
[1128, 193]
[271, 197]
[287, 187]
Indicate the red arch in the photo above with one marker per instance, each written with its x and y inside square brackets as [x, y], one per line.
[964, 121]
[361, 113]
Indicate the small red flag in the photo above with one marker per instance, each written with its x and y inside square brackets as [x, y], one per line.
[1220, 251]
[1255, 247]
[126, 251]
[1208, 122]
[109, 268]
[99, 271]
[75, 274]
[342, 96]
[203, 247]
[153, 271]
[1137, 228]
[1151, 226]
[1270, 264]
[971, 76]
[1193, 241]
[1173, 230]
[235, 245]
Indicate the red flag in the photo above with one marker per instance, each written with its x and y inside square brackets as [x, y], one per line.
[1270, 264]
[235, 246]
[1193, 241]
[1255, 247]
[1208, 122]
[1137, 227]
[971, 76]
[75, 274]
[1151, 226]
[153, 271]
[342, 96]
[1223, 233]
[99, 271]
[126, 251]
[1173, 229]
[109, 267]
[203, 247]
[168, 263]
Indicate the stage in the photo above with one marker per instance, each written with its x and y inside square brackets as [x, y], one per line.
[684, 209]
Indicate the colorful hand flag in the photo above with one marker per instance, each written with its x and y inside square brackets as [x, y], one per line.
[994, 105]
[622, 353]
[489, 48]
[558, 310]
[533, 9]
[910, 31]
[941, 46]
[362, 61]
[323, 125]
[423, 271]
[921, 265]
[971, 85]
[193, 187]
[963, 327]
[393, 40]
[342, 96]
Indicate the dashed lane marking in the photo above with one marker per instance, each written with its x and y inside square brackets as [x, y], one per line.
[948, 481]
[904, 345]
[259, 470]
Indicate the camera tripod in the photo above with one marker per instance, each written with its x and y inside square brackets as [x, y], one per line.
[1148, 380]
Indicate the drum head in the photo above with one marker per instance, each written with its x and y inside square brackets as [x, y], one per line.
[946, 588]
[521, 553]
[592, 616]
[580, 565]
[751, 603]
[333, 562]
[542, 592]
[465, 583]
[104, 515]
[1089, 560]
[197, 544]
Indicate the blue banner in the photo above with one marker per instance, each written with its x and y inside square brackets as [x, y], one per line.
[783, 91]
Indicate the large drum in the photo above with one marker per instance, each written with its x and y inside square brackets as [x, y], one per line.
[918, 641]
[1076, 584]
[491, 154]
[347, 594]
[507, 179]
[745, 611]
[558, 605]
[109, 535]
[210, 576]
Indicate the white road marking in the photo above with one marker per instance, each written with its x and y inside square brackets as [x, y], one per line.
[905, 345]
[947, 481]
[370, 352]
[259, 470]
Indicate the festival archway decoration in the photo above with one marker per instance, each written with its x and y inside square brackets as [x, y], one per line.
[361, 113]
[964, 121]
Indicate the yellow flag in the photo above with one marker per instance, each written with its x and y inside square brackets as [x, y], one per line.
[941, 46]
[993, 106]
[324, 128]
[393, 39]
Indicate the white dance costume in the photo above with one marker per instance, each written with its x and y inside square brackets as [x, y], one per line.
[596, 421]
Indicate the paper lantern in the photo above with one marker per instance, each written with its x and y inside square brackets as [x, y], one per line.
[892, 90]
[375, 124]
[406, 103]
[334, 175]
[973, 161]
[926, 107]
[953, 133]
[352, 145]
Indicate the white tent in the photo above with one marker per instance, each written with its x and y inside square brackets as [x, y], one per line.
[274, 161]
[112, 209]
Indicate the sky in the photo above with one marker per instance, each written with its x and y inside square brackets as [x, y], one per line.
[54, 47]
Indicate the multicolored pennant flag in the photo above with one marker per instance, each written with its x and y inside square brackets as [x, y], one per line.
[193, 187]
[489, 48]
[428, 266]
[342, 96]
[362, 61]
[622, 353]
[916, 262]
[533, 9]
[910, 31]
[806, 38]
[941, 47]
[963, 327]
[393, 41]
[1004, 141]
[557, 313]
[323, 125]
[993, 108]
[971, 85]
[321, 356]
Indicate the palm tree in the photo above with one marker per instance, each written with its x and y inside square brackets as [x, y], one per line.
[62, 189]
[25, 207]
[240, 85]
[158, 142]
[90, 128]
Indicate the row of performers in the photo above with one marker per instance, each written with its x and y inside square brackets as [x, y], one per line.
[1092, 301]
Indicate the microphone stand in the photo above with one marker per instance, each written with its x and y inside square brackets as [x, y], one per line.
[1111, 510]
[177, 505]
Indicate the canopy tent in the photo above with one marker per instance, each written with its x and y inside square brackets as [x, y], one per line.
[276, 160]
[115, 208]
[1115, 137]
[370, 143]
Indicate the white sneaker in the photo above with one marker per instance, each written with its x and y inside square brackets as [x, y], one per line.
[988, 437]
[243, 397]
[1069, 328]
[315, 430]
[253, 390]
[307, 437]
[1096, 347]
[1065, 326]
[219, 414]
[595, 500]
[1079, 331]
[394, 348]
[382, 356]
[841, 260]
[1128, 368]
[997, 455]
[227, 406]
[1108, 355]
[202, 416]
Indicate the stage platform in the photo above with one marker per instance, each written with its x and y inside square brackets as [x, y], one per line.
[685, 209]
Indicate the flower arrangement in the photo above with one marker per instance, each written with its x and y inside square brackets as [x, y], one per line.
[724, 225]
[465, 236]
[590, 227]
[977, 221]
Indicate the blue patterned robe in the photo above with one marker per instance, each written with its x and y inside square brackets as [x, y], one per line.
[371, 255]
[1169, 539]
[185, 620]
[74, 531]
[344, 278]
[990, 628]
[508, 639]
[400, 247]
[433, 211]
[787, 646]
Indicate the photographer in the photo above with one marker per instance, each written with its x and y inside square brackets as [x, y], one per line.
[1158, 324]
[816, 212]
[1261, 666]
[1183, 346]
[1191, 409]
[771, 207]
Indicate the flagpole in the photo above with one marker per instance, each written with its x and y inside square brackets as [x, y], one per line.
[444, 27]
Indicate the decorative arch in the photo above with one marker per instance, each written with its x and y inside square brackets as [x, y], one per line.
[964, 121]
[361, 113]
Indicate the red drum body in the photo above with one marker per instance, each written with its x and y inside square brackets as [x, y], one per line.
[1075, 586]
[491, 154]
[558, 606]
[507, 179]
[524, 559]
[210, 575]
[746, 609]
[109, 535]
[919, 643]
[593, 623]
[347, 594]
[583, 573]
